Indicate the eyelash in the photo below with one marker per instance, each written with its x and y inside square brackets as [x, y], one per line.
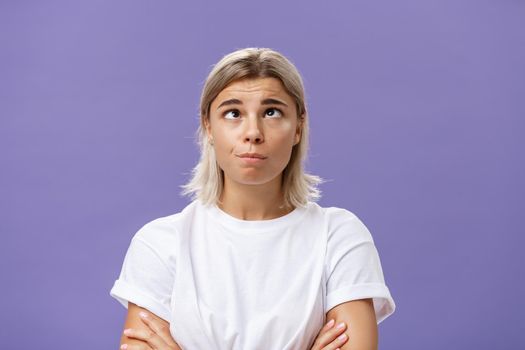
[236, 110]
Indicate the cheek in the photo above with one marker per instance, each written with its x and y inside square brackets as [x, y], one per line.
[223, 146]
[282, 146]
[285, 137]
[226, 134]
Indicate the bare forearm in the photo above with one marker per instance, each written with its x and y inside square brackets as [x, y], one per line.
[360, 318]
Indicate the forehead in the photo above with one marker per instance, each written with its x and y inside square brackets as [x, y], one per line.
[254, 86]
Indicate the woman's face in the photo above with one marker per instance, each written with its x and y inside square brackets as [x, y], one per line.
[253, 124]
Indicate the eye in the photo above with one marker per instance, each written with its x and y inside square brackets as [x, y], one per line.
[231, 114]
[274, 112]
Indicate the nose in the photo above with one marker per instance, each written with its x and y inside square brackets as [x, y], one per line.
[253, 132]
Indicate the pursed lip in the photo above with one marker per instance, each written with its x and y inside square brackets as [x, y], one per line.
[251, 155]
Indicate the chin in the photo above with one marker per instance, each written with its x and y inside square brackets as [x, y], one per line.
[253, 180]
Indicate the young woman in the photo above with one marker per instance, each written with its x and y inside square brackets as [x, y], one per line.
[253, 262]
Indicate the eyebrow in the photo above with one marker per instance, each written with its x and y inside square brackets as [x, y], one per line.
[268, 101]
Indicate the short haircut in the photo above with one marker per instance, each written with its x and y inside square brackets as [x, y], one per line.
[207, 179]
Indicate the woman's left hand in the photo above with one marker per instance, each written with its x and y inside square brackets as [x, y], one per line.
[157, 337]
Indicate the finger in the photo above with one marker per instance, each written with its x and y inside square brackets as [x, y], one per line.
[147, 335]
[331, 335]
[337, 342]
[325, 328]
[141, 346]
[159, 326]
[328, 325]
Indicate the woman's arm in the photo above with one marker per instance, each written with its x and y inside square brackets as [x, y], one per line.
[360, 318]
[134, 321]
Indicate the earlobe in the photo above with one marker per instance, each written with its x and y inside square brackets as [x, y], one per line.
[207, 128]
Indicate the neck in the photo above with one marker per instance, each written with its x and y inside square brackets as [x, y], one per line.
[253, 202]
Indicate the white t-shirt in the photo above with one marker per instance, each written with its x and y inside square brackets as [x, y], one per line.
[226, 283]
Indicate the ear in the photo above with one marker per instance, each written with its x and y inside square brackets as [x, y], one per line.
[207, 127]
[299, 130]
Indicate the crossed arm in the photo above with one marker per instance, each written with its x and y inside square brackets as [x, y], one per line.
[134, 321]
[360, 319]
[358, 315]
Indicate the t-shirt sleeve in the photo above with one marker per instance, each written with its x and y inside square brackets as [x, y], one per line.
[353, 267]
[147, 274]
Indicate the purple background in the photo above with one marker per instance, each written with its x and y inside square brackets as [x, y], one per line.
[417, 114]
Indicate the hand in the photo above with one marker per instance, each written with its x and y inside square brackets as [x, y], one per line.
[330, 337]
[157, 337]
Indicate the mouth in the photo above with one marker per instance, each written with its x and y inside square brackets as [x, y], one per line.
[251, 156]
[251, 159]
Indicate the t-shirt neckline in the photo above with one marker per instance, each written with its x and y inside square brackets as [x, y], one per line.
[236, 224]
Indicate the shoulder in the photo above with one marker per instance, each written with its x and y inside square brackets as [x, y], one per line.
[163, 231]
[343, 224]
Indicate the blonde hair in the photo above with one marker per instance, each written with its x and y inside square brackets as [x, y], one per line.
[207, 180]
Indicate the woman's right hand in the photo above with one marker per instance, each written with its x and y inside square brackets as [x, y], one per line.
[330, 337]
[157, 336]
